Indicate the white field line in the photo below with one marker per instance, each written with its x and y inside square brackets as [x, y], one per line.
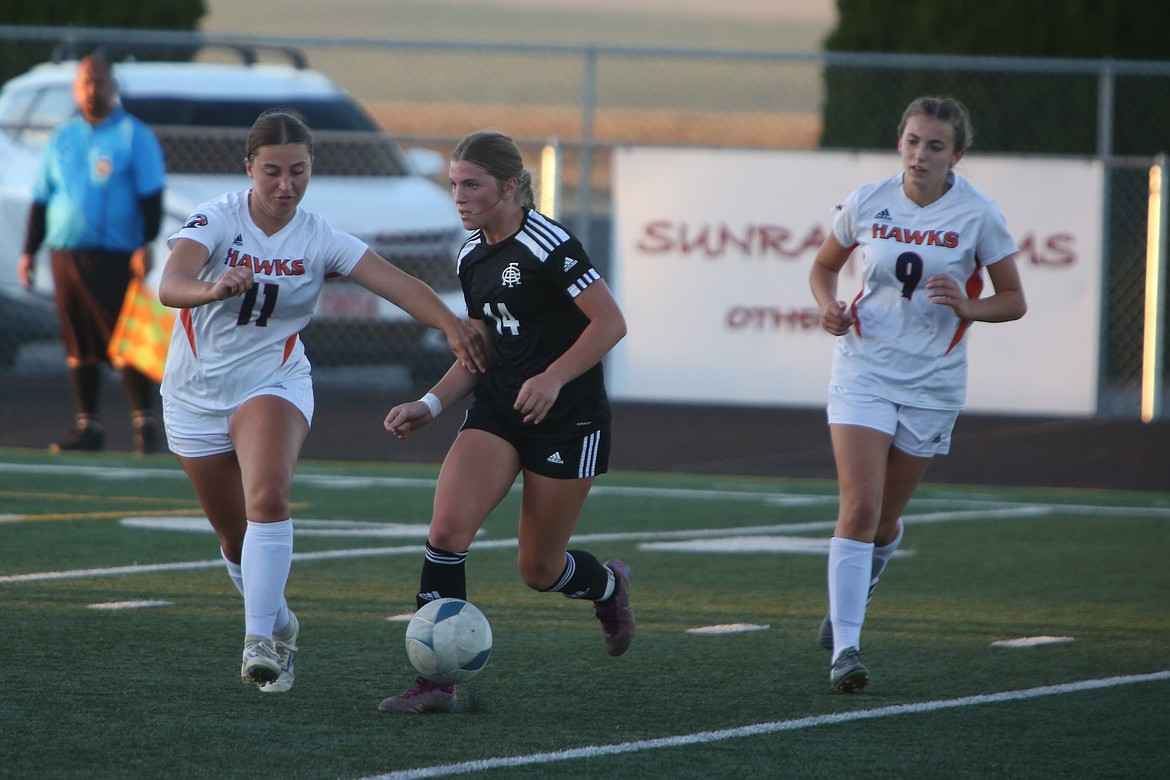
[95, 472]
[986, 510]
[116, 571]
[488, 544]
[347, 482]
[304, 527]
[318, 479]
[760, 729]
[138, 604]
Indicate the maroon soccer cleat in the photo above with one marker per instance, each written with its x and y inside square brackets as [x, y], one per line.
[617, 619]
[424, 696]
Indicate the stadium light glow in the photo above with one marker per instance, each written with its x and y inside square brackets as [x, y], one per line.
[1152, 342]
[550, 181]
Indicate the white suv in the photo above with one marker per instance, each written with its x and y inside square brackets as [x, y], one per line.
[363, 183]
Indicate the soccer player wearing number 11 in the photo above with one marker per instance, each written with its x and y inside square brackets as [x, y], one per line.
[899, 376]
[246, 271]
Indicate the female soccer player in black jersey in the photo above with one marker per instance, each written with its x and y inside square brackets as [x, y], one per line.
[539, 409]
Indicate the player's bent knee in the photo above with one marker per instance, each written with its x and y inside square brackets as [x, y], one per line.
[540, 576]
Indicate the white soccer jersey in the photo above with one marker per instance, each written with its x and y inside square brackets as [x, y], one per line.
[222, 352]
[903, 347]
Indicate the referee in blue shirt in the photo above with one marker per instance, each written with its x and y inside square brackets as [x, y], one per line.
[97, 204]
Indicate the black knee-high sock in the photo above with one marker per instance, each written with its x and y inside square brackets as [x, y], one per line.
[140, 390]
[87, 385]
[584, 577]
[444, 575]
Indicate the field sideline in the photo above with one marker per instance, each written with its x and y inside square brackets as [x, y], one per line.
[600, 751]
[121, 634]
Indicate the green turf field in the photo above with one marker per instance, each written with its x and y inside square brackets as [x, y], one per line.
[120, 635]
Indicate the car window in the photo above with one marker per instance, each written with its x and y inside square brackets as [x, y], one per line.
[15, 107]
[210, 150]
[320, 114]
[33, 113]
[208, 136]
[53, 106]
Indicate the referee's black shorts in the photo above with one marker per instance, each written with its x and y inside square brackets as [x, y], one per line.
[90, 287]
[567, 451]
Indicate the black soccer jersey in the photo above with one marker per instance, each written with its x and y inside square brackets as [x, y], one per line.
[524, 288]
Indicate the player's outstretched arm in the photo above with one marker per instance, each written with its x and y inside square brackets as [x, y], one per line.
[417, 299]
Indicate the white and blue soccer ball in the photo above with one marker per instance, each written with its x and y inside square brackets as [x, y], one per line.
[449, 641]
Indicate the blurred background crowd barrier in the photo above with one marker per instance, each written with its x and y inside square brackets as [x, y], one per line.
[571, 107]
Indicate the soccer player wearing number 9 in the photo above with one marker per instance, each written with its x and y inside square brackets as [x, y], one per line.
[899, 376]
[246, 271]
[540, 409]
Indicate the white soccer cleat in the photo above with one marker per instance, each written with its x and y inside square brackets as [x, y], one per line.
[286, 650]
[261, 663]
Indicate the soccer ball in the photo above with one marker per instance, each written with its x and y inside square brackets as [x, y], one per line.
[448, 641]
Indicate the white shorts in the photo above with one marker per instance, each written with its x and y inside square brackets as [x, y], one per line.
[920, 432]
[192, 434]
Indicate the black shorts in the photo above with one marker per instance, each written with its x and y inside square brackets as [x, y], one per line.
[559, 453]
[90, 287]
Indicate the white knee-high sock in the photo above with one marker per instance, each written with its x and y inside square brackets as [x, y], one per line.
[236, 573]
[850, 564]
[265, 564]
[882, 556]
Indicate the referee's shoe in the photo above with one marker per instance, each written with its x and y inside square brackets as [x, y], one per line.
[147, 440]
[87, 436]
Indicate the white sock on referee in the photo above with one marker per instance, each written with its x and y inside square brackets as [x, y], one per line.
[850, 564]
[265, 564]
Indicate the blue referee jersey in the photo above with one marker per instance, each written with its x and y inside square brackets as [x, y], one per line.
[92, 178]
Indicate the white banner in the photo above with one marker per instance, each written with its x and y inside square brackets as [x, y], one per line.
[712, 250]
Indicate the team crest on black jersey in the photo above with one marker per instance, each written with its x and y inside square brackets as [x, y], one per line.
[511, 275]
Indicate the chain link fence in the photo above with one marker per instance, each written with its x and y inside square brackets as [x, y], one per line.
[583, 102]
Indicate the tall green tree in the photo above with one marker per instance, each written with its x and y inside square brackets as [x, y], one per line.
[18, 56]
[134, 14]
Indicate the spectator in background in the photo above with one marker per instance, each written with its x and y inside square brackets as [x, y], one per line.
[540, 408]
[899, 376]
[97, 203]
[247, 271]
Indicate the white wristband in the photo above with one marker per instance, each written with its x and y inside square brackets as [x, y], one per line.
[433, 403]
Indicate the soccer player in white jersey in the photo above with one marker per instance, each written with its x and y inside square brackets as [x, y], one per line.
[540, 408]
[246, 271]
[899, 375]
